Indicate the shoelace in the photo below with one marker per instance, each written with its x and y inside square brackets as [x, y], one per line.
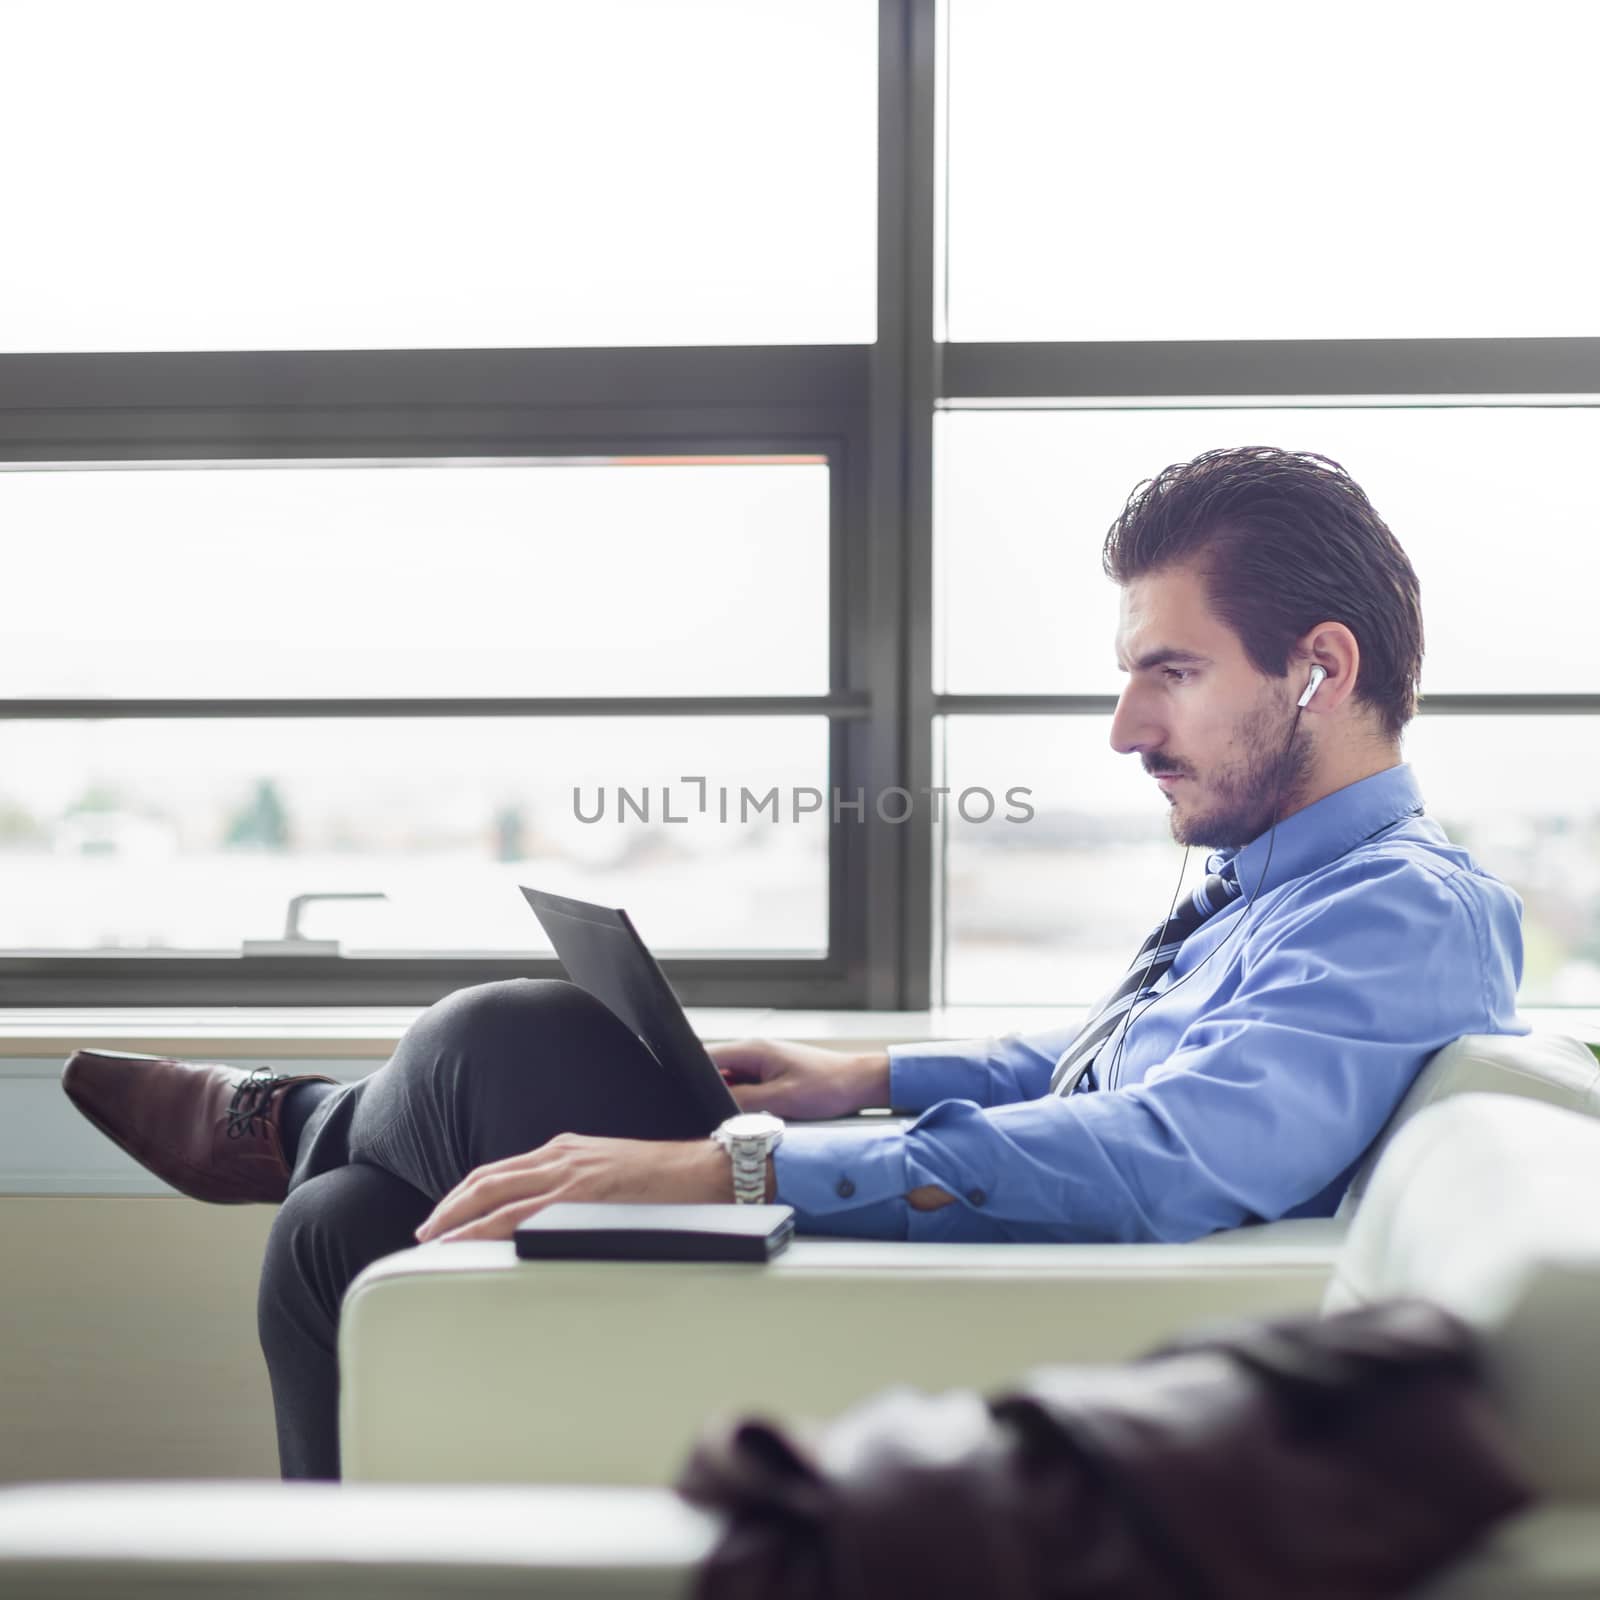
[248, 1106]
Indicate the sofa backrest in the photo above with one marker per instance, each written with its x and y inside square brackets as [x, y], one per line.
[1490, 1206]
[1533, 1066]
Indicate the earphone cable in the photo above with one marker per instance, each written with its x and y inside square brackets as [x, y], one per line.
[1155, 950]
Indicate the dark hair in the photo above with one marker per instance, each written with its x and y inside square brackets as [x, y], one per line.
[1284, 540]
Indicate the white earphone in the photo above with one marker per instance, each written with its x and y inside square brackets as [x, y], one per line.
[1318, 673]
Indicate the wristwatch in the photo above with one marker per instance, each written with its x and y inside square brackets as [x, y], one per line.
[749, 1139]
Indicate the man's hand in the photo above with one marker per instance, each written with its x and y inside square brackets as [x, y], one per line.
[491, 1200]
[802, 1081]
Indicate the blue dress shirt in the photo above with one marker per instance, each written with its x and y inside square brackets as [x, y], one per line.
[1250, 1093]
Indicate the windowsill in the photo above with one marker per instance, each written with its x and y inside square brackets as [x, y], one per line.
[47, 1149]
[364, 1033]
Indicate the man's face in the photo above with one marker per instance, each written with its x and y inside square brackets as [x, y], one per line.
[1206, 724]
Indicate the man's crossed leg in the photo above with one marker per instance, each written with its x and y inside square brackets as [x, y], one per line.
[486, 1074]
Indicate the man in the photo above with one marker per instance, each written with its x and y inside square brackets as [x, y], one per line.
[1271, 633]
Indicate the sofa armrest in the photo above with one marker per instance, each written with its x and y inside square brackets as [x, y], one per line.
[283, 1541]
[458, 1363]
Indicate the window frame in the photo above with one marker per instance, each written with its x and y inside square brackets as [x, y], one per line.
[458, 406]
[1011, 375]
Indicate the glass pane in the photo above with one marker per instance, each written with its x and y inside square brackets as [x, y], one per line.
[193, 836]
[410, 174]
[1521, 794]
[509, 578]
[1051, 911]
[1254, 170]
[1490, 503]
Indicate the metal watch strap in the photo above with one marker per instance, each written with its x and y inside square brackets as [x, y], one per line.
[749, 1159]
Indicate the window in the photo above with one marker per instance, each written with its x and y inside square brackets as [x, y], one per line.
[1049, 909]
[422, 429]
[1162, 235]
[406, 685]
[410, 174]
[515, 576]
[423, 426]
[192, 835]
[1164, 171]
[1462, 486]
[1518, 791]
[1056, 907]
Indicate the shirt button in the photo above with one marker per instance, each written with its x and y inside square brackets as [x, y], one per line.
[844, 1189]
[977, 1197]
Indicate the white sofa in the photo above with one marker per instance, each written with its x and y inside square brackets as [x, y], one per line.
[1487, 1204]
[461, 1364]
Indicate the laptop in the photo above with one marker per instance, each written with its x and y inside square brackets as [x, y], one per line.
[603, 953]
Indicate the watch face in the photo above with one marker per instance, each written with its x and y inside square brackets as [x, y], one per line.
[752, 1123]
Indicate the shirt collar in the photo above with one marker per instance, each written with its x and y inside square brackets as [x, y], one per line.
[1322, 831]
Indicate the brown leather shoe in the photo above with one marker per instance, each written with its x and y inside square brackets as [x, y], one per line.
[211, 1132]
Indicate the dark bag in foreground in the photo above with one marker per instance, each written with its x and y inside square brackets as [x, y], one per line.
[1319, 1458]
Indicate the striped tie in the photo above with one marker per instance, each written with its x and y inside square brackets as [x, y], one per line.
[1073, 1071]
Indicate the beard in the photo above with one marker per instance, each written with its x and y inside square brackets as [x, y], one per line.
[1250, 793]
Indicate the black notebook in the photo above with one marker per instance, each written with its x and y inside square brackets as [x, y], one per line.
[618, 1232]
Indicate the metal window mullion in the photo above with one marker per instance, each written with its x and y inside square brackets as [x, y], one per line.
[923, 378]
[378, 383]
[903, 384]
[849, 682]
[875, 749]
[844, 707]
[981, 373]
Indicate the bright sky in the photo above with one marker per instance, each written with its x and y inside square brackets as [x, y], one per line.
[1249, 169]
[359, 174]
[498, 579]
[1025, 498]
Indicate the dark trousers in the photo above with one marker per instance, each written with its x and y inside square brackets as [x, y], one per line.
[488, 1072]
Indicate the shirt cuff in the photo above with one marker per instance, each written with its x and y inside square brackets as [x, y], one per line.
[845, 1181]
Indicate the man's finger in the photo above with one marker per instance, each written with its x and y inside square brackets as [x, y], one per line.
[540, 1156]
[754, 1096]
[741, 1057]
[481, 1195]
[489, 1169]
[499, 1224]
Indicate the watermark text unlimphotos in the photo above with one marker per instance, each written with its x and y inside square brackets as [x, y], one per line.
[777, 804]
